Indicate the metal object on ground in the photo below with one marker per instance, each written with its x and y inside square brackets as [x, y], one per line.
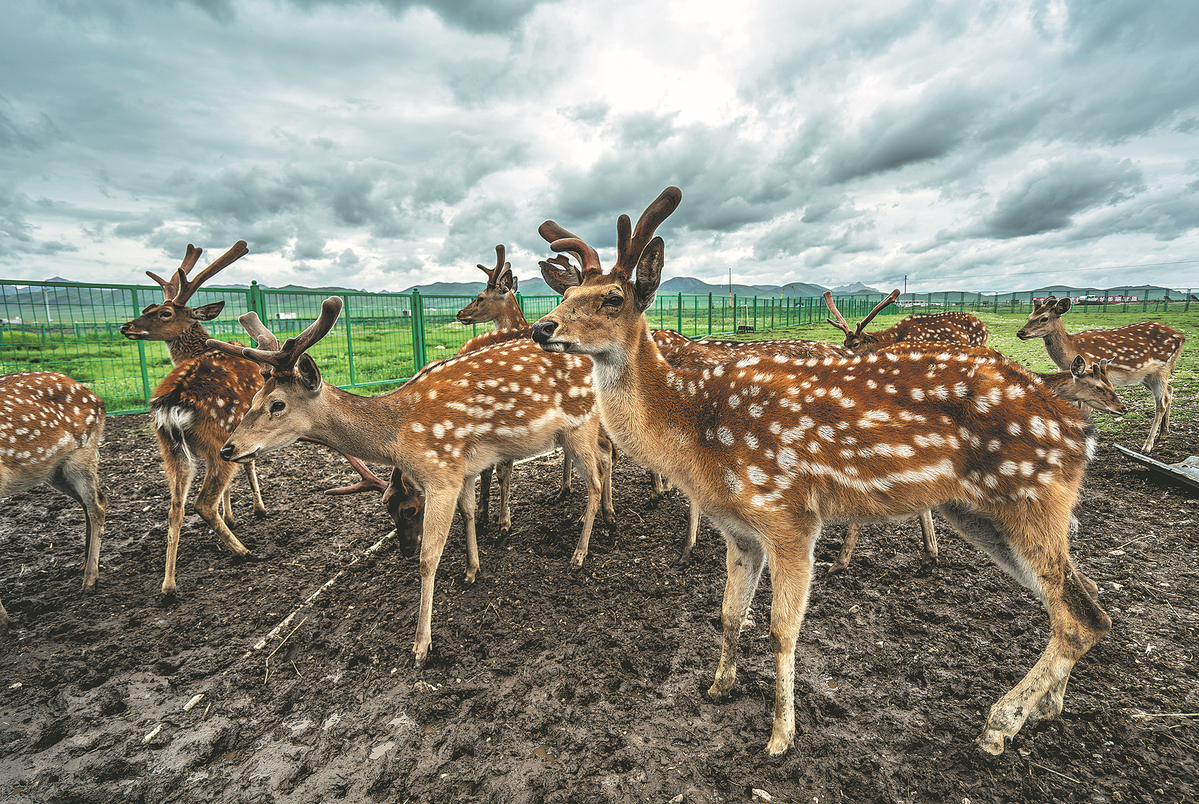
[1185, 471]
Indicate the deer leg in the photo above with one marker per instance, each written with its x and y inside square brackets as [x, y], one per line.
[439, 513]
[179, 470]
[484, 509]
[1162, 396]
[847, 547]
[503, 474]
[931, 549]
[745, 560]
[790, 581]
[225, 507]
[564, 489]
[77, 477]
[1035, 551]
[659, 486]
[251, 470]
[607, 461]
[692, 532]
[216, 483]
[466, 507]
[595, 491]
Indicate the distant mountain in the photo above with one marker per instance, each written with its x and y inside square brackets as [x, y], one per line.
[855, 289]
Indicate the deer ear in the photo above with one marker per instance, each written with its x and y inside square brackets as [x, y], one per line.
[309, 374]
[1079, 367]
[1062, 306]
[506, 280]
[556, 277]
[208, 311]
[649, 273]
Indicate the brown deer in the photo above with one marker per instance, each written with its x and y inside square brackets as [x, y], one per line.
[50, 432]
[773, 449]
[952, 327]
[197, 404]
[1143, 353]
[1079, 385]
[443, 427]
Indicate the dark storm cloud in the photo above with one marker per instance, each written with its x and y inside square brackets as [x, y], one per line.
[1050, 196]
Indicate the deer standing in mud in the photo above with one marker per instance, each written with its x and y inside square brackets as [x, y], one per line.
[50, 432]
[773, 449]
[197, 405]
[1139, 354]
[444, 426]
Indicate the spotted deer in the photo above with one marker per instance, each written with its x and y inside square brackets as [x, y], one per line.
[443, 427]
[949, 327]
[773, 449]
[50, 432]
[197, 404]
[1089, 386]
[1140, 354]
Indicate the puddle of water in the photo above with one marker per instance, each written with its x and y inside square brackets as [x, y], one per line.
[543, 752]
[379, 750]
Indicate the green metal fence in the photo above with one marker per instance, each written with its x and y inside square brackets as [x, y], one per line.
[381, 339]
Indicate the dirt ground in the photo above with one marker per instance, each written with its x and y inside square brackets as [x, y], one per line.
[552, 685]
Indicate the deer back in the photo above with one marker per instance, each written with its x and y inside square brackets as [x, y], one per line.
[44, 418]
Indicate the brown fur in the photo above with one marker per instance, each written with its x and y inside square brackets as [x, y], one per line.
[774, 449]
[50, 432]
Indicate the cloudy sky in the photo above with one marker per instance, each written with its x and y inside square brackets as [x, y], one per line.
[379, 144]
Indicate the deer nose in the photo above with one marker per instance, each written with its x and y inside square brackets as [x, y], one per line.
[543, 331]
[227, 452]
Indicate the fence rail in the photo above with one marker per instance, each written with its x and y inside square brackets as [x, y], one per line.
[381, 339]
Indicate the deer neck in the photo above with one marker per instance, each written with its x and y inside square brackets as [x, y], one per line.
[190, 344]
[510, 316]
[371, 428]
[1059, 345]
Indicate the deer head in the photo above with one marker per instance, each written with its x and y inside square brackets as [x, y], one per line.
[1092, 387]
[858, 340]
[1044, 318]
[171, 319]
[496, 301]
[280, 413]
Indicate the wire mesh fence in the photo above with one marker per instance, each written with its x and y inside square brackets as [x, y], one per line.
[381, 339]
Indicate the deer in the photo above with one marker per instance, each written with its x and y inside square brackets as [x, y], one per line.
[1081, 385]
[439, 430]
[952, 327]
[50, 432]
[773, 449]
[197, 405]
[1143, 353]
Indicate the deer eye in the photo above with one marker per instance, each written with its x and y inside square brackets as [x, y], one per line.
[615, 300]
[277, 406]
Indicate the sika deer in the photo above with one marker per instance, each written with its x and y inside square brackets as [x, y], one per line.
[772, 449]
[960, 328]
[197, 405]
[50, 432]
[1079, 385]
[1143, 353]
[443, 427]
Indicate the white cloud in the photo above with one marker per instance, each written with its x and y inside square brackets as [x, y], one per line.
[380, 142]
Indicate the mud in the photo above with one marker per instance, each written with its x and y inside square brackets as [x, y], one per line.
[548, 684]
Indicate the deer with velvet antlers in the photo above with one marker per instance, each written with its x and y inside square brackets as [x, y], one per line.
[773, 449]
[453, 419]
[50, 431]
[1139, 354]
[949, 327]
[197, 404]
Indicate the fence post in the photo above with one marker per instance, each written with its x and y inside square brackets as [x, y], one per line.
[141, 354]
[418, 332]
[709, 312]
[347, 316]
[680, 329]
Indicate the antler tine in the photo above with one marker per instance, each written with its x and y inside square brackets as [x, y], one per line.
[294, 347]
[585, 254]
[551, 231]
[561, 268]
[840, 323]
[494, 274]
[188, 287]
[878, 308]
[630, 248]
[263, 337]
[171, 287]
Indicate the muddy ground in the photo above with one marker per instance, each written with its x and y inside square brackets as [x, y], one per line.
[553, 685]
